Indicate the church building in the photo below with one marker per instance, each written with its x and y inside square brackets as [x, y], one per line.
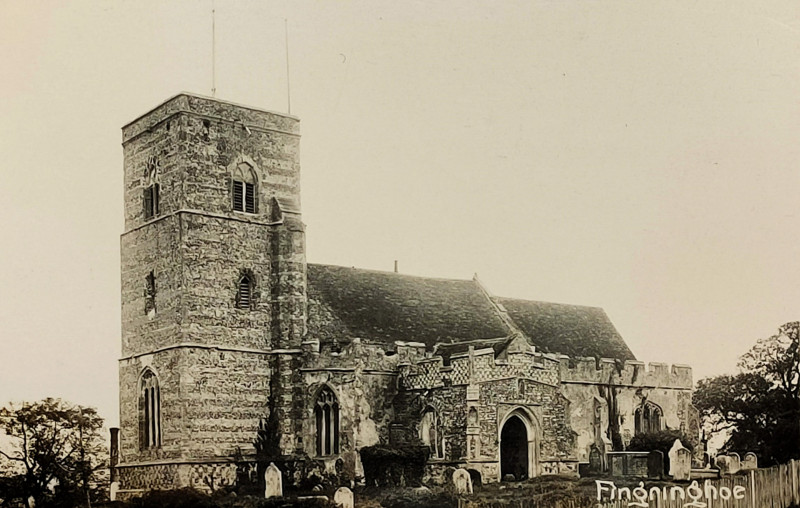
[229, 335]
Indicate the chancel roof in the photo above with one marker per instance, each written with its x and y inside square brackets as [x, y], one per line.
[571, 330]
[383, 307]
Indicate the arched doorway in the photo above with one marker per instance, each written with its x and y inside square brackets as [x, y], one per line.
[514, 449]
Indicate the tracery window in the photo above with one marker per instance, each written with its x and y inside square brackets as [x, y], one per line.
[244, 188]
[326, 416]
[648, 418]
[430, 432]
[149, 412]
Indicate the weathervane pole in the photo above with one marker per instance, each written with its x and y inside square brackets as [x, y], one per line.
[288, 87]
[213, 50]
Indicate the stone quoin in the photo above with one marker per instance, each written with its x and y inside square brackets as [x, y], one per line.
[228, 334]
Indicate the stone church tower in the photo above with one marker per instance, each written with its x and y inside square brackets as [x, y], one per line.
[236, 351]
[213, 288]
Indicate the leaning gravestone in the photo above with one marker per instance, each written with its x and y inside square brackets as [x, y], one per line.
[343, 498]
[750, 461]
[273, 481]
[655, 464]
[680, 461]
[462, 483]
[112, 491]
[735, 463]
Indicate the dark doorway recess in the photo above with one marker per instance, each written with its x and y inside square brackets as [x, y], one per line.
[514, 449]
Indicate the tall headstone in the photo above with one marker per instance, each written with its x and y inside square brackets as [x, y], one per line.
[680, 461]
[655, 464]
[343, 498]
[462, 483]
[750, 461]
[273, 481]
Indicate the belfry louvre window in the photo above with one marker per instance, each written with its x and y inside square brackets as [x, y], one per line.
[326, 416]
[244, 189]
[151, 198]
[244, 292]
[149, 412]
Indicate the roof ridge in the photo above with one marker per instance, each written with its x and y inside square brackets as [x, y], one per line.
[551, 303]
[389, 272]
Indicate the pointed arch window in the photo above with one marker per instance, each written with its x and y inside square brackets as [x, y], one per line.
[648, 418]
[149, 412]
[244, 188]
[326, 417]
[430, 432]
[244, 291]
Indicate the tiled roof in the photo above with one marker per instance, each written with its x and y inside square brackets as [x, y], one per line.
[571, 330]
[385, 307]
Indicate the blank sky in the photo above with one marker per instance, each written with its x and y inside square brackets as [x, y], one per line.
[637, 156]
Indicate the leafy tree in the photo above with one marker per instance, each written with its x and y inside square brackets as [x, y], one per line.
[759, 408]
[56, 454]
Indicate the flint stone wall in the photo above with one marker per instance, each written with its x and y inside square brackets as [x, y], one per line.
[211, 402]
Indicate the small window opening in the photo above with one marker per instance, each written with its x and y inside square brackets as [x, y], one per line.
[151, 201]
[150, 294]
[244, 293]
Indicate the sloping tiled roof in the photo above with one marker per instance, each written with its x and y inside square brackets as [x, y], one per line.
[385, 307]
[568, 329]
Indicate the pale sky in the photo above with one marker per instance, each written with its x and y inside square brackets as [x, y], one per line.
[637, 156]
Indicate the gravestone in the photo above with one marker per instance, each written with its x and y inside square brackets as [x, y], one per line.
[680, 461]
[616, 464]
[723, 463]
[750, 461]
[273, 481]
[343, 498]
[595, 461]
[735, 463]
[655, 464]
[462, 483]
[112, 491]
